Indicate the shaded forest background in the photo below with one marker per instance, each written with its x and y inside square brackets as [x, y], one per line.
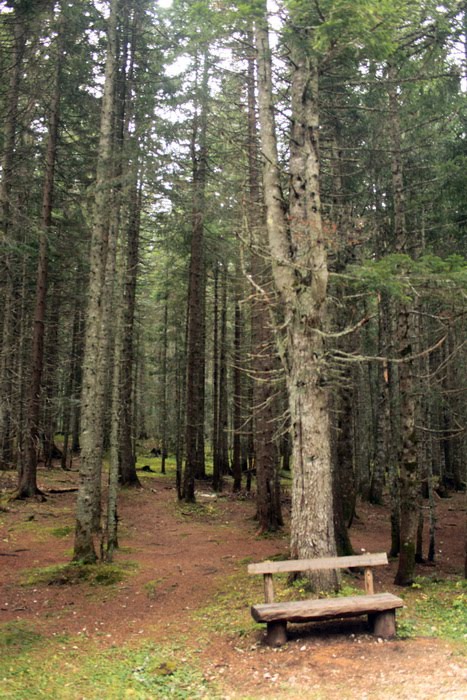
[138, 309]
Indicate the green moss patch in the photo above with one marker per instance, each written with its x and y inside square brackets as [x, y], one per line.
[18, 636]
[75, 573]
[197, 511]
[62, 532]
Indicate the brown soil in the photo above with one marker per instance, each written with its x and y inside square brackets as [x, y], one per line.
[183, 557]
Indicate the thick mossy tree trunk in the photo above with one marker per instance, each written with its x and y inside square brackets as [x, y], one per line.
[299, 260]
[91, 415]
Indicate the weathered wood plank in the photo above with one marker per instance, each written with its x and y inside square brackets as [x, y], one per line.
[305, 610]
[291, 565]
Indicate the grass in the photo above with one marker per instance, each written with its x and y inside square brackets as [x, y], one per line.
[229, 610]
[435, 608]
[34, 667]
[151, 588]
[18, 636]
[63, 531]
[79, 669]
[100, 574]
[201, 512]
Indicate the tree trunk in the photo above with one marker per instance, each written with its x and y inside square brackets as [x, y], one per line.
[303, 288]
[264, 357]
[237, 398]
[382, 410]
[48, 421]
[216, 481]
[15, 73]
[164, 412]
[91, 416]
[223, 444]
[27, 485]
[409, 486]
[408, 459]
[194, 466]
[128, 475]
[70, 387]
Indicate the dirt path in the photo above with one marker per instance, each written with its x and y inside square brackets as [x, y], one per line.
[186, 555]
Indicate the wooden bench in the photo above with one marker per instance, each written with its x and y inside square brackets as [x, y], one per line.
[380, 607]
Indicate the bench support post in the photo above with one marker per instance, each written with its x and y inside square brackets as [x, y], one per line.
[277, 633]
[369, 585]
[383, 624]
[268, 589]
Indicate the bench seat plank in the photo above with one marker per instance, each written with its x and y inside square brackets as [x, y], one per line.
[326, 608]
[291, 565]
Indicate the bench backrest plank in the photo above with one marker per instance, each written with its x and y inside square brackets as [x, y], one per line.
[293, 565]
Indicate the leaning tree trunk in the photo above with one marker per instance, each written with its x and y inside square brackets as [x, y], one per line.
[301, 275]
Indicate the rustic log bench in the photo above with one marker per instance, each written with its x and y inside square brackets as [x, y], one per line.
[380, 607]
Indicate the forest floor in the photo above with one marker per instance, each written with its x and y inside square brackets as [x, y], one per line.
[174, 621]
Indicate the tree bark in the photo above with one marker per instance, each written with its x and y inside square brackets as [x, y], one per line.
[91, 416]
[19, 24]
[128, 475]
[264, 357]
[194, 439]
[27, 484]
[223, 444]
[237, 397]
[300, 273]
[215, 384]
[409, 483]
